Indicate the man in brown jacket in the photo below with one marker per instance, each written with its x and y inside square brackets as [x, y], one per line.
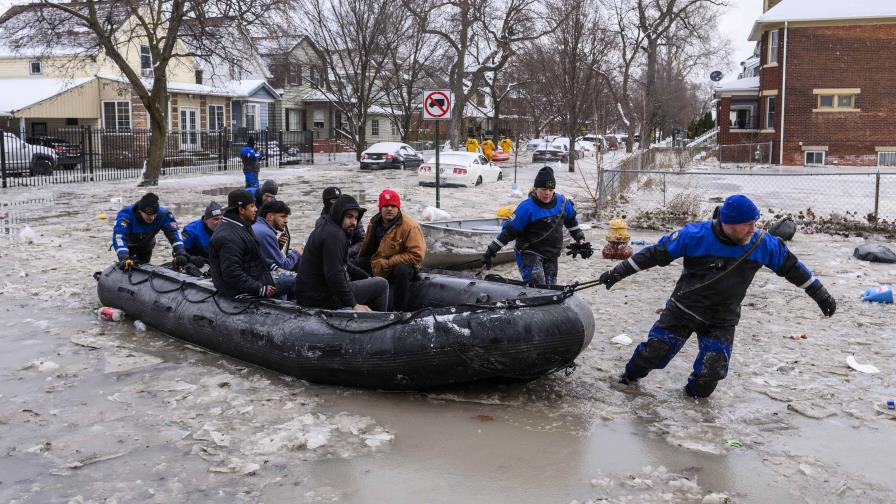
[393, 249]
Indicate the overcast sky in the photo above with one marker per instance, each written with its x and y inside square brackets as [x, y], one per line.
[736, 24]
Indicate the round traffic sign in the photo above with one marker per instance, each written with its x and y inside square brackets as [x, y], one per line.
[437, 104]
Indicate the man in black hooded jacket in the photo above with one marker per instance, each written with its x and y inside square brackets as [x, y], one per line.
[330, 195]
[236, 264]
[329, 280]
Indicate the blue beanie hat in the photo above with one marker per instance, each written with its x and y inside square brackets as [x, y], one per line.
[738, 209]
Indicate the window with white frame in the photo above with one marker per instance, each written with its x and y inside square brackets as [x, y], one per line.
[215, 117]
[35, 67]
[251, 121]
[145, 58]
[294, 74]
[770, 112]
[319, 118]
[814, 158]
[374, 127]
[394, 128]
[117, 116]
[293, 120]
[886, 158]
[773, 46]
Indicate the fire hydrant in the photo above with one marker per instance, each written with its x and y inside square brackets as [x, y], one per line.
[617, 246]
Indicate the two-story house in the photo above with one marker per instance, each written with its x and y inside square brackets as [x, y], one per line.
[824, 92]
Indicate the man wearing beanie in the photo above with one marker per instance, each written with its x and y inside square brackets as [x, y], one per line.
[236, 264]
[136, 226]
[264, 194]
[328, 279]
[198, 233]
[393, 249]
[537, 226]
[330, 195]
[721, 256]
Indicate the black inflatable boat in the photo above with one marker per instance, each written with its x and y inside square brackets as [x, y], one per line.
[462, 330]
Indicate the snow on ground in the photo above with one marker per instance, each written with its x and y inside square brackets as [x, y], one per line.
[137, 416]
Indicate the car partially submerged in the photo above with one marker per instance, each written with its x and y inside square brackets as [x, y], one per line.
[395, 155]
[459, 169]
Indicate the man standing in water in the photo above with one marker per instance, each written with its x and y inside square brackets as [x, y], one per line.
[721, 256]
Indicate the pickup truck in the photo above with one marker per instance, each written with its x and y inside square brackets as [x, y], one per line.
[26, 159]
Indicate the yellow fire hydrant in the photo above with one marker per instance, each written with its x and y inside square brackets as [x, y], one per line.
[617, 241]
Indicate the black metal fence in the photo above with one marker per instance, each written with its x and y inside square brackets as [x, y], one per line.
[71, 155]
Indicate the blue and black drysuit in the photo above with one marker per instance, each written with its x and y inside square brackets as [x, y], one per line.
[250, 158]
[707, 297]
[538, 230]
[197, 237]
[133, 237]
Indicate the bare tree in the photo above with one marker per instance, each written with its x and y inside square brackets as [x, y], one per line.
[409, 72]
[355, 39]
[618, 72]
[480, 36]
[498, 90]
[92, 29]
[656, 19]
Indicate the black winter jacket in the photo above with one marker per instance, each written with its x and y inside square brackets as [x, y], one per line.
[325, 271]
[236, 263]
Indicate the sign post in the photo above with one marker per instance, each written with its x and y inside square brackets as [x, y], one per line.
[437, 107]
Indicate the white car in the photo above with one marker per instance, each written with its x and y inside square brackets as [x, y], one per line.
[582, 147]
[24, 158]
[459, 169]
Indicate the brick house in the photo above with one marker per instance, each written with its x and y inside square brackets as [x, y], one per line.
[821, 87]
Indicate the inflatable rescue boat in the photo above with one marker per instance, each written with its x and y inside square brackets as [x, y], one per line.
[461, 329]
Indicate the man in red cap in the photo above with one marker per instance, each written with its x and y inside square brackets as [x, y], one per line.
[393, 248]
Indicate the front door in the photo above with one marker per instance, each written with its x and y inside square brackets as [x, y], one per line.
[189, 136]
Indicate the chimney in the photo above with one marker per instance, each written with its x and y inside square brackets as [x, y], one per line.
[768, 4]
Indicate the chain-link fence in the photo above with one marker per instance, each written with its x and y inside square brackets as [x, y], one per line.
[848, 195]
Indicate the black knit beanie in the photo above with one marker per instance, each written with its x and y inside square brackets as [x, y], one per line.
[545, 179]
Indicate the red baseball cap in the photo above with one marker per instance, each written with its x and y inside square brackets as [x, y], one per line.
[390, 197]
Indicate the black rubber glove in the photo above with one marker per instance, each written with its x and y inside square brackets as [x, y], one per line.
[581, 248]
[490, 254]
[181, 258]
[824, 298]
[620, 271]
[198, 261]
[193, 271]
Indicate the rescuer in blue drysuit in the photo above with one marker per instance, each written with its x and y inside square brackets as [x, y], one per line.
[136, 226]
[537, 226]
[250, 158]
[721, 257]
[198, 233]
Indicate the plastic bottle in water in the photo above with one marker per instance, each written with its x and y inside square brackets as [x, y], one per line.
[110, 314]
[638, 242]
[882, 294]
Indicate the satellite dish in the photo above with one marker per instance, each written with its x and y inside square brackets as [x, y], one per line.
[716, 76]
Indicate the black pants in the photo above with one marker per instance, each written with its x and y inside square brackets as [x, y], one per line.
[399, 278]
[142, 251]
[373, 292]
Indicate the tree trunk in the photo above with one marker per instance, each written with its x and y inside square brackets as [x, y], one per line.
[650, 94]
[361, 135]
[157, 112]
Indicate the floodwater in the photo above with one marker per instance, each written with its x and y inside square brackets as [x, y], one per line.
[95, 411]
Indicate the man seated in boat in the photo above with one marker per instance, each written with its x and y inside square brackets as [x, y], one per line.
[197, 236]
[135, 230]
[537, 226]
[329, 279]
[330, 195]
[271, 234]
[237, 266]
[393, 249]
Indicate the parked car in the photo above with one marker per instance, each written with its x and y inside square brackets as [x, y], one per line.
[390, 155]
[581, 147]
[459, 169]
[537, 143]
[612, 142]
[598, 141]
[68, 155]
[499, 155]
[550, 154]
[24, 158]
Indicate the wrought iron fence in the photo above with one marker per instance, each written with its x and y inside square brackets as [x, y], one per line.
[70, 155]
